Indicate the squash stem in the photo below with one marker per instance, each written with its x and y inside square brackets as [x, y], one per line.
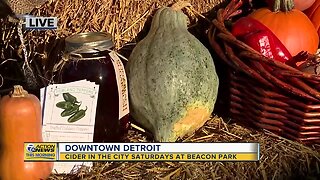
[18, 91]
[283, 5]
[179, 5]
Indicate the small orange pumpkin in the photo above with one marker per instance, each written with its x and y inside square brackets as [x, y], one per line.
[20, 121]
[294, 29]
[314, 14]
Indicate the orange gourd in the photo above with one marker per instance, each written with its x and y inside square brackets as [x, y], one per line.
[298, 4]
[20, 121]
[314, 14]
[294, 29]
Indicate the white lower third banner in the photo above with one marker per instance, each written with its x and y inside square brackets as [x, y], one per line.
[75, 152]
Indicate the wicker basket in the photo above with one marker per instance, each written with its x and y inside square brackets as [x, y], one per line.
[283, 100]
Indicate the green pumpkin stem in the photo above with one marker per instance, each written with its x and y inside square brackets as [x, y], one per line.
[180, 4]
[283, 5]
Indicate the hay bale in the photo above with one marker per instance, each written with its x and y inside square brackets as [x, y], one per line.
[125, 20]
[280, 159]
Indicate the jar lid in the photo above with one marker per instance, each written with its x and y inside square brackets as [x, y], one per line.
[89, 42]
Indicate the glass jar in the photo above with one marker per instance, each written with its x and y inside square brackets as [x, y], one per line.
[88, 58]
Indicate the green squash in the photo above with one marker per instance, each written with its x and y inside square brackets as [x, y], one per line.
[172, 79]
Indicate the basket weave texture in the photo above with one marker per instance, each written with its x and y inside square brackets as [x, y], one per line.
[280, 99]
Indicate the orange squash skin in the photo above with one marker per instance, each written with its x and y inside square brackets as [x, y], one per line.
[293, 28]
[20, 120]
[314, 14]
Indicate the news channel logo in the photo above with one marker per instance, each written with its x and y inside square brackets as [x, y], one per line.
[40, 151]
[39, 23]
[31, 148]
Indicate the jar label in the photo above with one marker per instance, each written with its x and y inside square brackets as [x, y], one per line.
[121, 83]
[69, 113]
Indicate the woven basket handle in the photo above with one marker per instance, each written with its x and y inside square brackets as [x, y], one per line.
[252, 63]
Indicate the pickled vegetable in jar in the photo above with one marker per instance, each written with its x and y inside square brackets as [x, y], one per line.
[89, 59]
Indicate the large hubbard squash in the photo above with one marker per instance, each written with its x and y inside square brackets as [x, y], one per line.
[20, 121]
[172, 79]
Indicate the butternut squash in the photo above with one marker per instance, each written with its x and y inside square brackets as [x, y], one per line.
[20, 121]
